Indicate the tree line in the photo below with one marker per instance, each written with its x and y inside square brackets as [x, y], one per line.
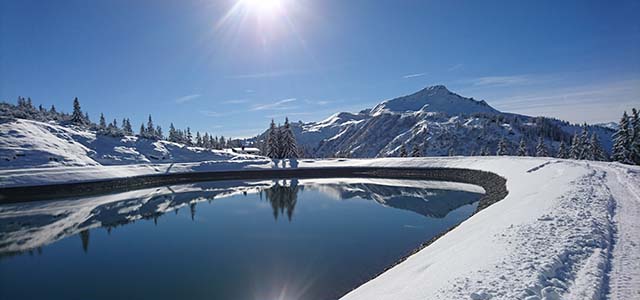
[26, 110]
[626, 139]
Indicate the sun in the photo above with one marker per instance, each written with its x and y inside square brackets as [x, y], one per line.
[263, 8]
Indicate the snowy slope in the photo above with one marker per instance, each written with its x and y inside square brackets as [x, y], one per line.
[440, 122]
[28, 143]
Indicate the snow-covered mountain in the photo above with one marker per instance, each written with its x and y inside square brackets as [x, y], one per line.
[29, 143]
[439, 122]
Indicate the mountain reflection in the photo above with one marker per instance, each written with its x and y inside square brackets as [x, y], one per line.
[25, 227]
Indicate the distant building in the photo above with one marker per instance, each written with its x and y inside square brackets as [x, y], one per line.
[246, 150]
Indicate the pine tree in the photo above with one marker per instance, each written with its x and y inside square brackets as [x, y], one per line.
[212, 141]
[142, 133]
[222, 142]
[151, 130]
[484, 151]
[205, 141]
[126, 127]
[562, 151]
[289, 143]
[622, 141]
[173, 137]
[522, 148]
[189, 137]
[576, 145]
[158, 133]
[198, 139]
[403, 151]
[102, 125]
[416, 151]
[585, 149]
[502, 148]
[541, 148]
[596, 149]
[634, 147]
[77, 117]
[273, 149]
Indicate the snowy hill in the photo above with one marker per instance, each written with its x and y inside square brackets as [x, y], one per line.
[28, 143]
[439, 123]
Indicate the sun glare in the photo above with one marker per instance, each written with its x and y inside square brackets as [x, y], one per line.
[263, 8]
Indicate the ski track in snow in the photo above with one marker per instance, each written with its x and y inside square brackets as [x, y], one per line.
[625, 265]
[563, 256]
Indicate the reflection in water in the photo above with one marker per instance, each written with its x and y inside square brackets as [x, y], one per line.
[29, 226]
[285, 239]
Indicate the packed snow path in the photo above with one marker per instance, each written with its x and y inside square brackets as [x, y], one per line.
[566, 230]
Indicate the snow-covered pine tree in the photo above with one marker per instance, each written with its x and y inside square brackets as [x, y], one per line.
[142, 132]
[416, 151]
[198, 139]
[562, 151]
[541, 148]
[622, 141]
[151, 130]
[126, 127]
[576, 147]
[77, 118]
[585, 149]
[273, 149]
[102, 125]
[596, 148]
[158, 133]
[222, 142]
[634, 147]
[188, 137]
[289, 143]
[522, 148]
[502, 147]
[213, 142]
[173, 137]
[403, 151]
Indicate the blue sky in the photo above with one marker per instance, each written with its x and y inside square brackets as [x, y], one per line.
[226, 70]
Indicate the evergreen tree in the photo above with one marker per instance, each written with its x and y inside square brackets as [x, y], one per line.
[597, 152]
[52, 110]
[541, 148]
[502, 148]
[77, 117]
[198, 139]
[212, 142]
[126, 127]
[102, 125]
[158, 133]
[150, 132]
[289, 144]
[575, 150]
[522, 148]
[273, 149]
[416, 151]
[173, 136]
[142, 133]
[222, 143]
[622, 141]
[562, 151]
[206, 142]
[634, 150]
[403, 151]
[585, 149]
[189, 137]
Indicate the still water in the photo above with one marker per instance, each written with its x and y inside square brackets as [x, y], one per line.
[285, 239]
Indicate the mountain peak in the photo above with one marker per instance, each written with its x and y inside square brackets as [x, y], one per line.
[436, 98]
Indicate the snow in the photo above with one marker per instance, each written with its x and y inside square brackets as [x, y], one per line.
[28, 143]
[567, 229]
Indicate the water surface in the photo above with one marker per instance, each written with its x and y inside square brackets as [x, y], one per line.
[287, 239]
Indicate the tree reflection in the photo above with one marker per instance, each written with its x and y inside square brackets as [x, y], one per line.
[283, 198]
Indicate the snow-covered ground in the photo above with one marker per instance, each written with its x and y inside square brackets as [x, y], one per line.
[567, 229]
[28, 144]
